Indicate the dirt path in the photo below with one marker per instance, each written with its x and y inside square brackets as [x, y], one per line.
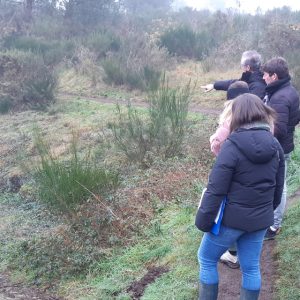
[230, 280]
[140, 103]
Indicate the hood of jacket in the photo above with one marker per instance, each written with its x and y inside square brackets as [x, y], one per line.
[257, 144]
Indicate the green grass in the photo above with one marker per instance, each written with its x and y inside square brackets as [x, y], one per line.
[170, 240]
[288, 247]
[288, 253]
[293, 176]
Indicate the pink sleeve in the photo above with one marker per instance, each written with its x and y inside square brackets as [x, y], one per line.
[218, 138]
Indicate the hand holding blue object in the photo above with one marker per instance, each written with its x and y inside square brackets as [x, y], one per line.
[218, 220]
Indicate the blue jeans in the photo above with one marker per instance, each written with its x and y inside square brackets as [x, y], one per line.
[279, 211]
[249, 245]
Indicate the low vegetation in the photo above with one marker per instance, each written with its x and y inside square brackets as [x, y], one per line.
[102, 195]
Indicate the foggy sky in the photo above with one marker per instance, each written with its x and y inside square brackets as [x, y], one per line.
[247, 6]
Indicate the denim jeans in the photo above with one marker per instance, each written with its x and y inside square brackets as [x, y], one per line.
[249, 245]
[279, 211]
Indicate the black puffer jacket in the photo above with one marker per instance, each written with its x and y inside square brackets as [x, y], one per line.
[254, 80]
[250, 171]
[284, 99]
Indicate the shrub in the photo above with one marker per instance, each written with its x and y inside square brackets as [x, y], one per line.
[85, 63]
[101, 42]
[113, 72]
[279, 40]
[65, 184]
[53, 52]
[158, 133]
[147, 78]
[138, 63]
[26, 80]
[5, 104]
[183, 41]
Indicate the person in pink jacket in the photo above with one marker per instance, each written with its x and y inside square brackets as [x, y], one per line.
[218, 138]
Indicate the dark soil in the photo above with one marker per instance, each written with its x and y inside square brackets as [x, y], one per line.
[137, 288]
[230, 279]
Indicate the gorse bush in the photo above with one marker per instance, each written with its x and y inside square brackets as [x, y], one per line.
[65, 184]
[160, 131]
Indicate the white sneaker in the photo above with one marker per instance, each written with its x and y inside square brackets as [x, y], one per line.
[230, 260]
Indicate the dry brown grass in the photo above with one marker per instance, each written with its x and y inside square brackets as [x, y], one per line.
[191, 70]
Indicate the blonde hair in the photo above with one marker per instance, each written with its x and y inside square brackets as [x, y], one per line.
[226, 114]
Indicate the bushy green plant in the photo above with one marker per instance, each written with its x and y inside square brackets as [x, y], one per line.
[65, 184]
[160, 131]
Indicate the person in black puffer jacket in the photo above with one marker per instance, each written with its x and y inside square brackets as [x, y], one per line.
[249, 172]
[250, 63]
[284, 99]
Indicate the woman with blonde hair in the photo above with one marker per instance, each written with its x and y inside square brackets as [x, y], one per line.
[217, 139]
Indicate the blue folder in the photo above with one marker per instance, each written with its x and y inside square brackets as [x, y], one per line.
[218, 220]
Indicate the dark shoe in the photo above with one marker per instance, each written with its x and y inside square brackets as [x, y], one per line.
[208, 291]
[271, 234]
[249, 295]
[230, 260]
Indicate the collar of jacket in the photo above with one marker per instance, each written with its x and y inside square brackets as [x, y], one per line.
[256, 125]
[255, 76]
[277, 85]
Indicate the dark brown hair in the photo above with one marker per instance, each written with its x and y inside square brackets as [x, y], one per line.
[249, 108]
[237, 88]
[278, 66]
